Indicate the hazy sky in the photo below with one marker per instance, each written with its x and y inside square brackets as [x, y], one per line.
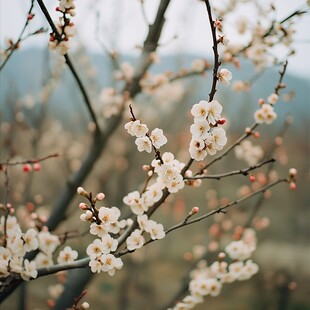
[123, 27]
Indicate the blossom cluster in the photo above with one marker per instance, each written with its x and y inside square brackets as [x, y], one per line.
[209, 280]
[104, 223]
[136, 240]
[207, 136]
[144, 140]
[110, 102]
[266, 113]
[65, 27]
[250, 153]
[17, 244]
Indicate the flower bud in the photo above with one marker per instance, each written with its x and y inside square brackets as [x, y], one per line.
[83, 206]
[292, 172]
[36, 166]
[82, 191]
[252, 178]
[293, 186]
[100, 196]
[27, 168]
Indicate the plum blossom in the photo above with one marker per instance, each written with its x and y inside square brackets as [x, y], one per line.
[29, 270]
[135, 240]
[95, 249]
[225, 76]
[155, 230]
[144, 144]
[67, 255]
[200, 110]
[109, 216]
[157, 137]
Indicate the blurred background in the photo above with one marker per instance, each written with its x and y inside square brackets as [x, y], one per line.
[42, 112]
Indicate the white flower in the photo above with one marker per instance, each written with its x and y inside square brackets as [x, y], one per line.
[109, 244]
[144, 144]
[214, 110]
[238, 250]
[43, 260]
[99, 230]
[132, 198]
[236, 269]
[29, 270]
[197, 154]
[211, 147]
[30, 240]
[135, 128]
[95, 265]
[5, 254]
[157, 137]
[219, 137]
[139, 130]
[109, 215]
[95, 249]
[215, 287]
[110, 263]
[67, 255]
[48, 242]
[142, 220]
[273, 98]
[175, 185]
[225, 76]
[153, 194]
[249, 270]
[155, 230]
[135, 240]
[200, 129]
[200, 110]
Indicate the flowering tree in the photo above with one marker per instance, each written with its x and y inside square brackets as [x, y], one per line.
[34, 244]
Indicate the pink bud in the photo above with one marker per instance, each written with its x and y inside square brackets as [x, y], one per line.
[252, 178]
[261, 101]
[30, 16]
[100, 196]
[27, 168]
[221, 121]
[83, 206]
[293, 186]
[195, 210]
[256, 134]
[36, 166]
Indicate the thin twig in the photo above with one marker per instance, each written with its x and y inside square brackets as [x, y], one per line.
[227, 151]
[15, 45]
[244, 172]
[72, 69]
[215, 52]
[28, 161]
[81, 263]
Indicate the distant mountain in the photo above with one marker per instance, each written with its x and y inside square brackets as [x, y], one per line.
[28, 69]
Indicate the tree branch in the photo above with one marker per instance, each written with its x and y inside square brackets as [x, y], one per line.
[244, 172]
[15, 46]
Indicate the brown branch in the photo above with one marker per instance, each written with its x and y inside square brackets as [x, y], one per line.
[72, 69]
[223, 208]
[244, 172]
[227, 151]
[28, 161]
[272, 149]
[81, 263]
[215, 52]
[281, 73]
[209, 214]
[13, 47]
